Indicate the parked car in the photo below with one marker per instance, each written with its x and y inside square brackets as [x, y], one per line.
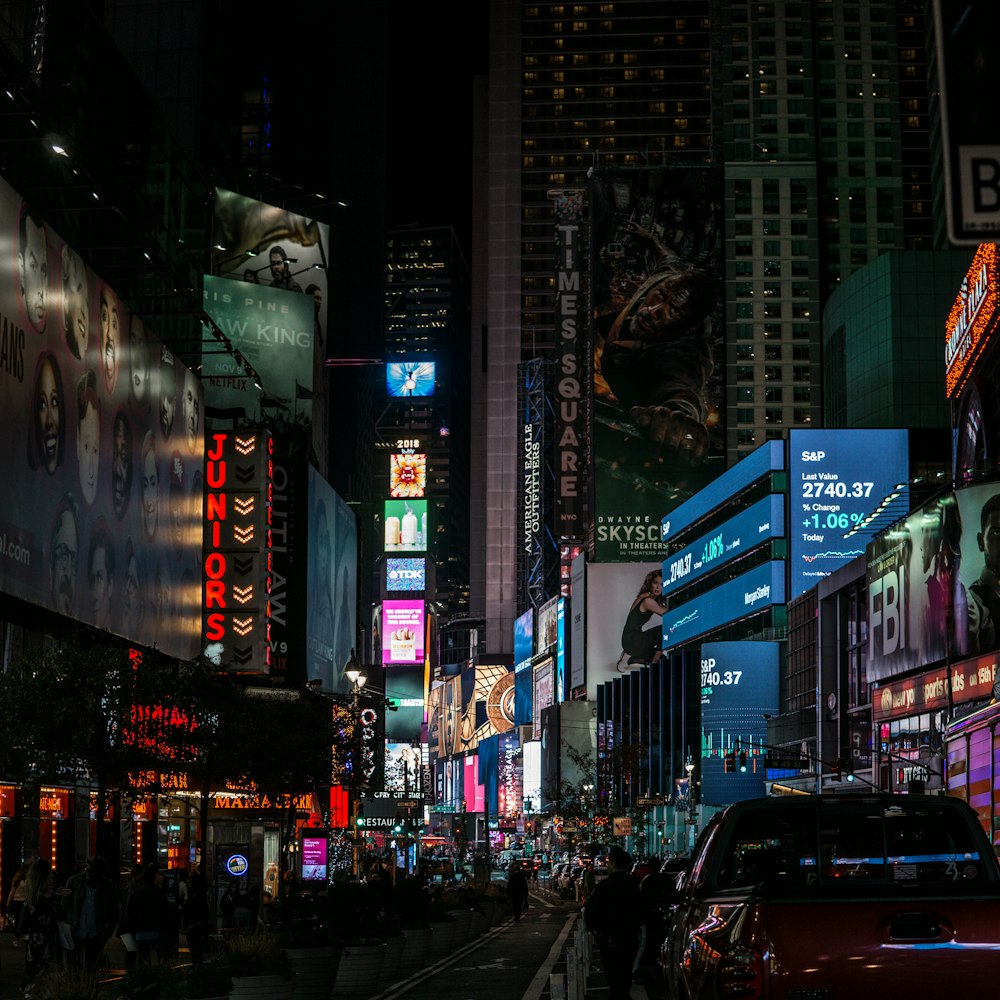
[836, 896]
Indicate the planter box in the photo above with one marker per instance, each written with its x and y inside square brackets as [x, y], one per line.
[463, 924]
[416, 943]
[262, 988]
[478, 924]
[315, 971]
[359, 969]
[392, 959]
[442, 938]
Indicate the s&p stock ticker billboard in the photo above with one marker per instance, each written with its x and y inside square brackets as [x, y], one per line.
[835, 479]
[101, 497]
[657, 378]
[739, 689]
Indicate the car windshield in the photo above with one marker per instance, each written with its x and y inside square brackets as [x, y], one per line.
[853, 843]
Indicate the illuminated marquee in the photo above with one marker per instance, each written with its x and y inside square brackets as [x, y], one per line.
[238, 551]
[970, 318]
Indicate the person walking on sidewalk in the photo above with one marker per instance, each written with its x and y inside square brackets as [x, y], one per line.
[517, 890]
[15, 903]
[615, 913]
[39, 919]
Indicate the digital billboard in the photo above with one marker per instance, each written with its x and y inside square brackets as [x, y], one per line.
[490, 707]
[749, 593]
[402, 768]
[546, 633]
[410, 378]
[275, 332]
[658, 363]
[612, 589]
[314, 850]
[739, 692]
[544, 694]
[835, 479]
[402, 632]
[760, 522]
[101, 497]
[238, 551]
[523, 652]
[332, 576]
[561, 693]
[405, 574]
[407, 475]
[405, 525]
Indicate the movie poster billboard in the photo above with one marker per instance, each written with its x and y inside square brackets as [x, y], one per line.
[739, 693]
[658, 350]
[613, 625]
[101, 499]
[274, 332]
[836, 478]
[332, 576]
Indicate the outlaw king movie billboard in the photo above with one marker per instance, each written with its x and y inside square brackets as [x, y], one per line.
[101, 498]
[658, 362]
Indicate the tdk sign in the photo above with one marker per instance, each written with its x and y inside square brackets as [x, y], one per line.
[405, 574]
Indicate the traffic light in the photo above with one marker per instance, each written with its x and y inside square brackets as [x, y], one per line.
[743, 762]
[847, 766]
[729, 762]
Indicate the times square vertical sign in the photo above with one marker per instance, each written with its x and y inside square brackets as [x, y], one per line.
[570, 368]
[238, 551]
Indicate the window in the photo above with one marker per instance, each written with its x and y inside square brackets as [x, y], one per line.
[772, 352]
[801, 394]
[772, 394]
[744, 373]
[744, 394]
[772, 373]
[774, 416]
[800, 352]
[744, 354]
[744, 415]
[800, 374]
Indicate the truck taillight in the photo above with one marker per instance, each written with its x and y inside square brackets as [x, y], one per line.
[741, 974]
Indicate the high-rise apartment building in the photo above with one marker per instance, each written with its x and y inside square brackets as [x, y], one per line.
[815, 109]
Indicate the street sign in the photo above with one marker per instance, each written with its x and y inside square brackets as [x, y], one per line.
[651, 800]
[622, 826]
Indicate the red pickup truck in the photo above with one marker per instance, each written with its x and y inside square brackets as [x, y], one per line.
[835, 898]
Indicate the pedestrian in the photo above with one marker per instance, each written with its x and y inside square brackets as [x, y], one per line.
[15, 903]
[147, 915]
[125, 932]
[38, 919]
[227, 906]
[92, 911]
[517, 891]
[615, 914]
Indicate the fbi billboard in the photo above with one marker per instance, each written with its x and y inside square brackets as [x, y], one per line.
[101, 497]
[657, 359]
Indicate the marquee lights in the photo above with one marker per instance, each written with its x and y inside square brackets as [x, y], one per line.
[244, 505]
[244, 446]
[967, 328]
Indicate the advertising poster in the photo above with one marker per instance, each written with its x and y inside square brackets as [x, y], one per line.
[612, 622]
[274, 332]
[404, 689]
[402, 632]
[490, 709]
[405, 526]
[409, 378]
[977, 601]
[739, 691]
[836, 478]
[546, 635]
[658, 358]
[314, 858]
[101, 497]
[544, 696]
[509, 781]
[402, 768]
[332, 576]
[523, 682]
[405, 574]
[918, 603]
[407, 475]
[472, 790]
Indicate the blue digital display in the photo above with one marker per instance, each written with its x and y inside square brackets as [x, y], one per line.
[764, 520]
[836, 479]
[561, 693]
[523, 640]
[756, 589]
[739, 688]
[767, 458]
[405, 574]
[409, 378]
[524, 684]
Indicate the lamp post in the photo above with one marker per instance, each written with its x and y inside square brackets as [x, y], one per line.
[357, 677]
[586, 802]
[692, 817]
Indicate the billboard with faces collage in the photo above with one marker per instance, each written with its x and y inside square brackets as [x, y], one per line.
[101, 501]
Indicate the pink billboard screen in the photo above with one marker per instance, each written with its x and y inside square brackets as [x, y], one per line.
[314, 859]
[402, 632]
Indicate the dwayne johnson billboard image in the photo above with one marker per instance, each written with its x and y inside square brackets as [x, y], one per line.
[658, 361]
[101, 498]
[332, 577]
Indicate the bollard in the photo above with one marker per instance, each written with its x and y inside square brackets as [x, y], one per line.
[557, 986]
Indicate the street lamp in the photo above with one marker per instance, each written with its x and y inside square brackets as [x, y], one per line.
[354, 672]
[588, 808]
[692, 817]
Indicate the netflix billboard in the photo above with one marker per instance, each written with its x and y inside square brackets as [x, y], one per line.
[101, 497]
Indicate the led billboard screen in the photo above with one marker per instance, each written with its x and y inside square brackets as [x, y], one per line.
[314, 858]
[407, 475]
[658, 366]
[544, 695]
[402, 768]
[835, 479]
[546, 634]
[405, 574]
[523, 651]
[612, 588]
[402, 632]
[332, 577]
[405, 525]
[749, 593]
[739, 692]
[490, 707]
[758, 523]
[101, 497]
[409, 378]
